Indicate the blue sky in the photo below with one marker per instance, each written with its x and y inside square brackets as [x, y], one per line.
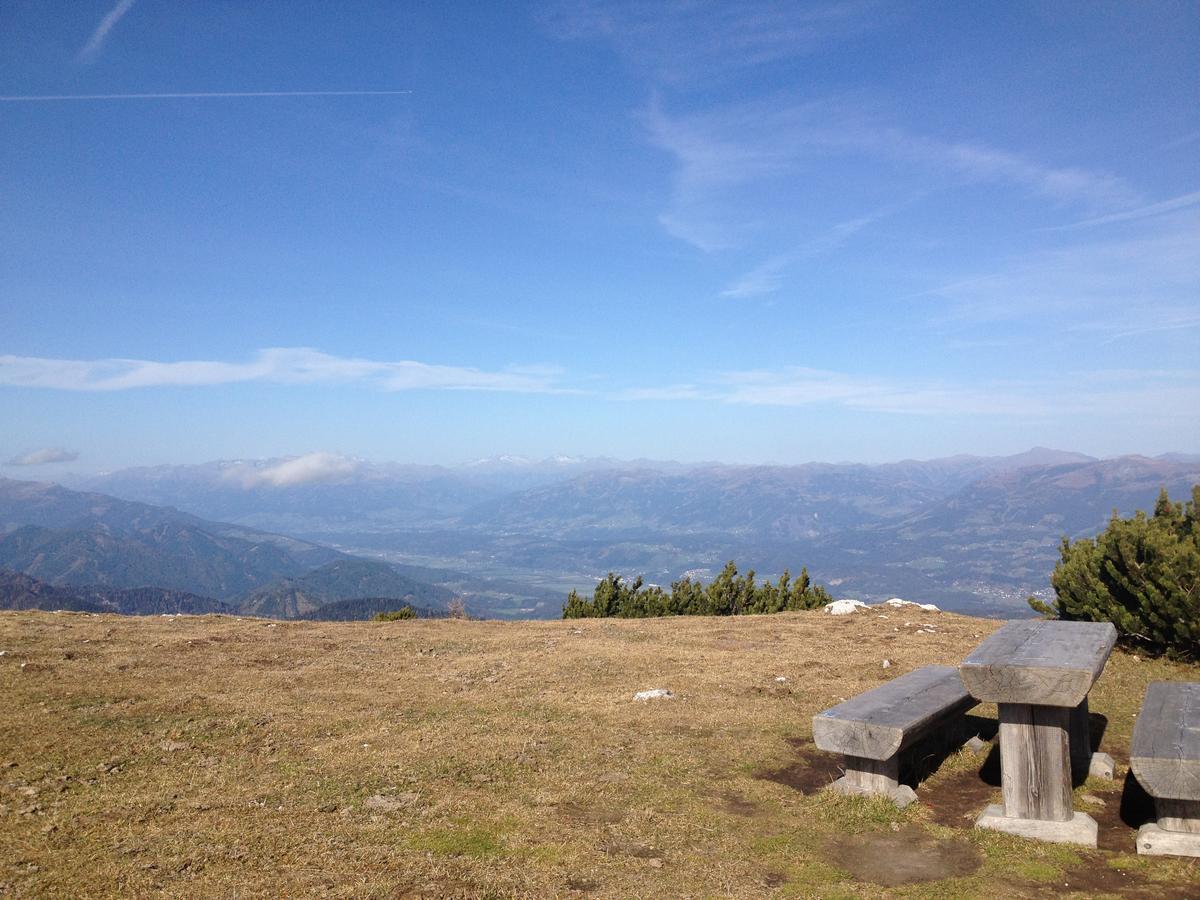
[761, 232]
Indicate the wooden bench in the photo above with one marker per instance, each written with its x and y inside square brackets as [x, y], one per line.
[1165, 759]
[871, 730]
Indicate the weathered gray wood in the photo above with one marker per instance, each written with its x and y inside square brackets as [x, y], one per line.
[872, 776]
[881, 722]
[1178, 815]
[1081, 738]
[1046, 663]
[1165, 755]
[1035, 772]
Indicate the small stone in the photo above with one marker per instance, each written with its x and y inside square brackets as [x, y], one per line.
[653, 694]
[1101, 765]
[780, 679]
[904, 796]
[655, 862]
[1093, 799]
[887, 663]
[976, 744]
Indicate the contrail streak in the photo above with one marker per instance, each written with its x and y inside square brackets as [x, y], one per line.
[52, 98]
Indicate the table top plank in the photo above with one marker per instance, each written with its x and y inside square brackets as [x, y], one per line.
[1165, 755]
[1047, 663]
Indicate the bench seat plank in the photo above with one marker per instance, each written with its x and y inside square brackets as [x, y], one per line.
[1045, 663]
[881, 722]
[1165, 756]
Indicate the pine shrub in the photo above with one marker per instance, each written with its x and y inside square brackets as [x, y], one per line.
[1142, 574]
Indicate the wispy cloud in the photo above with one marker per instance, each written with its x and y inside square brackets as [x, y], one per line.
[681, 41]
[769, 276]
[729, 159]
[96, 42]
[1163, 394]
[42, 457]
[285, 365]
[311, 468]
[1183, 201]
[978, 161]
[1145, 281]
[191, 95]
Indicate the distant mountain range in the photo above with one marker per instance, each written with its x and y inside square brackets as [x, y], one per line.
[21, 591]
[345, 581]
[967, 532]
[65, 549]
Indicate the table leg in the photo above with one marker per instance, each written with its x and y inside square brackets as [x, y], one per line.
[1081, 738]
[1035, 777]
[1035, 767]
[1084, 762]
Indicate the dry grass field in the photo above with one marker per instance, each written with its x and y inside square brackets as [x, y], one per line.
[211, 756]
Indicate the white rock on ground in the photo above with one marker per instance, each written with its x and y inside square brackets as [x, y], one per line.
[653, 694]
[897, 602]
[844, 607]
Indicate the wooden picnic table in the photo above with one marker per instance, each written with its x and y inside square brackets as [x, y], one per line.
[1039, 673]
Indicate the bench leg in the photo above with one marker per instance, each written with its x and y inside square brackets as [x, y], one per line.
[871, 776]
[1177, 832]
[1178, 815]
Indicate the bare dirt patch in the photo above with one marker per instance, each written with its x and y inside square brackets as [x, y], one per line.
[736, 804]
[957, 800]
[905, 856]
[1094, 878]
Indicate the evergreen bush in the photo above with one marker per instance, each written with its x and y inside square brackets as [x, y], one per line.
[729, 594]
[1142, 574]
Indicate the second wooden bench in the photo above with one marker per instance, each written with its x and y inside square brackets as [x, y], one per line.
[1165, 758]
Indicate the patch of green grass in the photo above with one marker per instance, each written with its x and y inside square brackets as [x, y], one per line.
[1035, 869]
[854, 814]
[471, 841]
